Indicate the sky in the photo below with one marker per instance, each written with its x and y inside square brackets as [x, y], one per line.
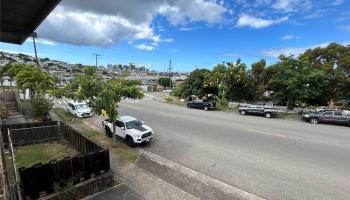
[192, 33]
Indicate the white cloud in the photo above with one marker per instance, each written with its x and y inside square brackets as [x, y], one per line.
[345, 28]
[289, 37]
[254, 22]
[292, 5]
[144, 47]
[86, 28]
[188, 28]
[41, 41]
[174, 50]
[184, 11]
[294, 51]
[258, 3]
[337, 2]
[90, 22]
[168, 40]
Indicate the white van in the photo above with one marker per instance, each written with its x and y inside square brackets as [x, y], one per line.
[79, 109]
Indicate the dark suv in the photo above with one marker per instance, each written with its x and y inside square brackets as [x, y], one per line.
[201, 104]
[328, 116]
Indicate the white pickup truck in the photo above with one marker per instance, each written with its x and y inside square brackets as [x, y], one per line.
[130, 129]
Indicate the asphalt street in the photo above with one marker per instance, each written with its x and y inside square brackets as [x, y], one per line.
[271, 158]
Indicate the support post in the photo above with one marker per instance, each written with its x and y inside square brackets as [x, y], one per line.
[14, 164]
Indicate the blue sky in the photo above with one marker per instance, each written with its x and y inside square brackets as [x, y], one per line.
[193, 33]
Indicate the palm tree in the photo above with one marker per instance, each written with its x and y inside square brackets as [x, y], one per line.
[36, 80]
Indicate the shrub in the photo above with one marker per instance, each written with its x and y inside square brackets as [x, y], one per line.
[40, 105]
[3, 112]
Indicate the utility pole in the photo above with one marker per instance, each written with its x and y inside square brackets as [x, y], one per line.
[96, 55]
[34, 35]
[169, 70]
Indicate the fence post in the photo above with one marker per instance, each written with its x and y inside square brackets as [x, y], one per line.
[14, 164]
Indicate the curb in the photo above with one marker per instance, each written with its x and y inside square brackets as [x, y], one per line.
[192, 182]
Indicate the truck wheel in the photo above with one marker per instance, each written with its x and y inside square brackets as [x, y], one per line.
[108, 132]
[349, 124]
[206, 108]
[268, 115]
[313, 120]
[242, 112]
[130, 141]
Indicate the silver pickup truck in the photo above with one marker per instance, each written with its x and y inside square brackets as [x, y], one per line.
[268, 112]
[335, 116]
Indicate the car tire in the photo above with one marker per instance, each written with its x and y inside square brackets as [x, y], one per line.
[130, 141]
[108, 132]
[243, 112]
[206, 108]
[268, 115]
[314, 121]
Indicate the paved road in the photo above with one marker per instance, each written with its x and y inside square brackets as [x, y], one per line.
[272, 158]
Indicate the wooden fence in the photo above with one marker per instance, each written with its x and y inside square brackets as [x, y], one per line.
[92, 160]
[45, 177]
[29, 133]
[77, 139]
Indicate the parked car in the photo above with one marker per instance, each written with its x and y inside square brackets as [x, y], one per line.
[201, 104]
[337, 117]
[268, 112]
[167, 91]
[130, 129]
[79, 109]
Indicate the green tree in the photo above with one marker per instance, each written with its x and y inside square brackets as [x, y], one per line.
[112, 92]
[295, 82]
[216, 80]
[285, 82]
[194, 84]
[132, 66]
[37, 81]
[237, 81]
[257, 79]
[30, 77]
[334, 60]
[164, 81]
[103, 95]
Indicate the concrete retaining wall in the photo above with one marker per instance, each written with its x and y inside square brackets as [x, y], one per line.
[85, 188]
[192, 182]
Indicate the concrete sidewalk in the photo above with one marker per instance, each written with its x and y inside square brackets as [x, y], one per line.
[119, 192]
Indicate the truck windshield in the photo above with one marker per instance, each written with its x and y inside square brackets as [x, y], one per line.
[133, 124]
[81, 106]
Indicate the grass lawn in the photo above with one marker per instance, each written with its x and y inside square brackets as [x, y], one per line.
[64, 115]
[27, 156]
[116, 147]
[123, 150]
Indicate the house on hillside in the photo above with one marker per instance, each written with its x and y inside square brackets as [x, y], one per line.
[149, 83]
